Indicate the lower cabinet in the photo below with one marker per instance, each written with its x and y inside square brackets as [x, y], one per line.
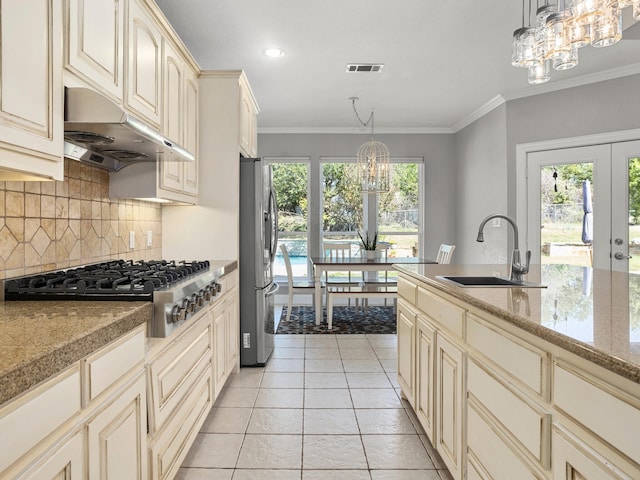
[117, 434]
[226, 333]
[63, 461]
[406, 358]
[425, 345]
[449, 390]
[499, 403]
[65, 434]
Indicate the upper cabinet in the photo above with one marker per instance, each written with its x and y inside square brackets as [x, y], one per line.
[180, 120]
[143, 92]
[94, 44]
[248, 120]
[31, 111]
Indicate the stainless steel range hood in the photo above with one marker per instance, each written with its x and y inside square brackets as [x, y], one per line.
[98, 131]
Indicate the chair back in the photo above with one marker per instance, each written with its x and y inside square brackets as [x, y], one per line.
[445, 253]
[337, 251]
[287, 264]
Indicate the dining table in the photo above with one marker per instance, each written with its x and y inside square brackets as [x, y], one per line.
[353, 264]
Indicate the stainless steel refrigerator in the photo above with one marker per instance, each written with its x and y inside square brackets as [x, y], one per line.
[258, 243]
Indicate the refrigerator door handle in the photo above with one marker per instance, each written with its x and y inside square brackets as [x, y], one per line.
[273, 212]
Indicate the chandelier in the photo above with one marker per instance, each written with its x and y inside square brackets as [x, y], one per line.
[372, 160]
[560, 29]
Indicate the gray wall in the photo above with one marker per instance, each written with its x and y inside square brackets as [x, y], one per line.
[609, 106]
[473, 173]
[439, 157]
[481, 188]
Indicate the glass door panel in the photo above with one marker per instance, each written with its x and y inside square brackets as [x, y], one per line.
[568, 206]
[290, 182]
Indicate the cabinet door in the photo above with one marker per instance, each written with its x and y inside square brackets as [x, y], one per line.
[94, 37]
[61, 463]
[31, 115]
[171, 173]
[247, 122]
[233, 330]
[117, 435]
[143, 93]
[406, 353]
[573, 459]
[425, 357]
[219, 341]
[190, 126]
[449, 404]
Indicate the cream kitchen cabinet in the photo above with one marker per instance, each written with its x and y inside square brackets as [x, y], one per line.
[31, 112]
[94, 44]
[66, 461]
[509, 404]
[233, 323]
[406, 326]
[220, 347]
[117, 433]
[180, 379]
[449, 404]
[248, 121]
[89, 418]
[425, 346]
[226, 330]
[179, 180]
[143, 89]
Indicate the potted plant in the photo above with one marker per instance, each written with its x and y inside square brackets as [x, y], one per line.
[369, 245]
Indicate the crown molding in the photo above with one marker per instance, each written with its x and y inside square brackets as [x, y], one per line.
[580, 81]
[495, 102]
[355, 130]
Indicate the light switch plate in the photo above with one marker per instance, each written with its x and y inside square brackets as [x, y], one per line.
[496, 223]
[132, 239]
[149, 238]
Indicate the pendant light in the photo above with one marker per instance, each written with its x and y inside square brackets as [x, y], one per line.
[372, 160]
[561, 29]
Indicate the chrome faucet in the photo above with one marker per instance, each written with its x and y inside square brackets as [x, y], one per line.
[518, 271]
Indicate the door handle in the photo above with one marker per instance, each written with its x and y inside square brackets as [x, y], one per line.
[621, 256]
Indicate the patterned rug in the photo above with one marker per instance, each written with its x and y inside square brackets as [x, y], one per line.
[379, 319]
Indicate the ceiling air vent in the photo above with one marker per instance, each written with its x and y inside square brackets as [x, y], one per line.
[365, 67]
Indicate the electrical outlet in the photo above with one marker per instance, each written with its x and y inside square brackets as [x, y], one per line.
[149, 238]
[246, 340]
[132, 239]
[496, 223]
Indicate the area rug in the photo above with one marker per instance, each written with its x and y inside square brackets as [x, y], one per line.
[379, 319]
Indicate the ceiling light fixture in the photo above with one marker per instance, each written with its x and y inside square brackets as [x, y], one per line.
[372, 160]
[561, 29]
[274, 52]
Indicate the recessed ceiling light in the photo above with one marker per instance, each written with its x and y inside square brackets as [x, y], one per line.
[274, 52]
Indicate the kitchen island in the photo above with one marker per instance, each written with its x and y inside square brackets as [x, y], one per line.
[523, 382]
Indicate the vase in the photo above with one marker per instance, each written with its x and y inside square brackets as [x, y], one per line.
[371, 254]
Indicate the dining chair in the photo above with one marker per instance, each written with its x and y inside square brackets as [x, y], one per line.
[382, 278]
[339, 251]
[297, 287]
[445, 253]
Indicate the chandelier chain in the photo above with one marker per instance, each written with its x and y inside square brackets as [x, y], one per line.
[370, 119]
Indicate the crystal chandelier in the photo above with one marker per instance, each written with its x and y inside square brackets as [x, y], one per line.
[560, 29]
[372, 160]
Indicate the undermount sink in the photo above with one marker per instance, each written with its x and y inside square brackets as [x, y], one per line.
[488, 282]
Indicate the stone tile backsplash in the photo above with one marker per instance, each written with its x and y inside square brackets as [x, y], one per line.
[51, 225]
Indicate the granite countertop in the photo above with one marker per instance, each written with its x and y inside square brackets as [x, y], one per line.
[40, 339]
[590, 312]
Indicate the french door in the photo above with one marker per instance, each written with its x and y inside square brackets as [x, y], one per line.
[566, 185]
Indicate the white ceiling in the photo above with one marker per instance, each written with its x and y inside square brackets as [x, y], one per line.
[444, 60]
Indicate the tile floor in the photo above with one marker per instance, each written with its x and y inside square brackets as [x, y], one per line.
[324, 407]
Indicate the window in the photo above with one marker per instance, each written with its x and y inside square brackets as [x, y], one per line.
[323, 203]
